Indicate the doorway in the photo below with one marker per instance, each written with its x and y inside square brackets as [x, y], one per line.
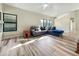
[72, 25]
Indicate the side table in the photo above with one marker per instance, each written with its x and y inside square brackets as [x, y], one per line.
[77, 51]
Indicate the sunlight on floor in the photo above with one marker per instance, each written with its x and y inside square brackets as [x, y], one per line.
[25, 43]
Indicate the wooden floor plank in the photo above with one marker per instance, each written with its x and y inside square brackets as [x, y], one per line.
[43, 46]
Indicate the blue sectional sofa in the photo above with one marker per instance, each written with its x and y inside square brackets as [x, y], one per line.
[52, 31]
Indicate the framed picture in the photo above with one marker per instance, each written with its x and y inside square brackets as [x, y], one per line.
[10, 22]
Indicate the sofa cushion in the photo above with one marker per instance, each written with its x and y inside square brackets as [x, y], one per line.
[56, 32]
[42, 28]
[53, 28]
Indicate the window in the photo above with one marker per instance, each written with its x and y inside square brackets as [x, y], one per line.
[41, 24]
[10, 22]
[46, 23]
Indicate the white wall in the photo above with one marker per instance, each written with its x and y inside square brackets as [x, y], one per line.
[65, 24]
[62, 23]
[0, 7]
[25, 18]
[77, 20]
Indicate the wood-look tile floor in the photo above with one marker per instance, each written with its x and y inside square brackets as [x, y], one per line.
[43, 46]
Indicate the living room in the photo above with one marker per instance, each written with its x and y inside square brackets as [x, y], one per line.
[25, 19]
[28, 26]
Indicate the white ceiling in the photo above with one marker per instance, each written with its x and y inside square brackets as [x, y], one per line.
[53, 9]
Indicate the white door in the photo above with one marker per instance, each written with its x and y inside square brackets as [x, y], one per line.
[72, 25]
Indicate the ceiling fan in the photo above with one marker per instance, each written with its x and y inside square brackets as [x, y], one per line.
[44, 6]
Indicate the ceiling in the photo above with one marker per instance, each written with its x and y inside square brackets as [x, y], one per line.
[53, 9]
